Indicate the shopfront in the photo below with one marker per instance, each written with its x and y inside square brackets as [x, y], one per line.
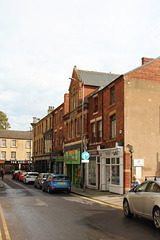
[72, 161]
[111, 164]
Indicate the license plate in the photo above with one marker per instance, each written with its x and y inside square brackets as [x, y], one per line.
[61, 182]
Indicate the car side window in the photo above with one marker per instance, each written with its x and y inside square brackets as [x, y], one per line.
[152, 187]
[142, 187]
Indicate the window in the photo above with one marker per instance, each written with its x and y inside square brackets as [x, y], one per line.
[13, 155]
[3, 143]
[50, 120]
[115, 171]
[13, 143]
[55, 121]
[55, 139]
[99, 131]
[67, 131]
[28, 156]
[46, 125]
[113, 126]
[61, 115]
[96, 104]
[80, 125]
[60, 138]
[93, 133]
[3, 155]
[28, 144]
[75, 127]
[112, 95]
[71, 129]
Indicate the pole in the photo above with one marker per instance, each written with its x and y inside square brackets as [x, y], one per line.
[82, 145]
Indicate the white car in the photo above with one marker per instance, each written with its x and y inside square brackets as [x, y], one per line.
[30, 177]
[144, 200]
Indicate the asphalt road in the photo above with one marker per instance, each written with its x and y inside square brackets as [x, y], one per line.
[31, 214]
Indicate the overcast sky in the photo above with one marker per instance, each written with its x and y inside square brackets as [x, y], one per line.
[42, 40]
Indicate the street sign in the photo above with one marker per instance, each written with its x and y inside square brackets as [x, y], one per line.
[85, 155]
[85, 160]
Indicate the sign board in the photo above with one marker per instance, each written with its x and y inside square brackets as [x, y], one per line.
[85, 160]
[138, 162]
[85, 155]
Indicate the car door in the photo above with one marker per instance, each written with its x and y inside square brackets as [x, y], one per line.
[148, 200]
[136, 198]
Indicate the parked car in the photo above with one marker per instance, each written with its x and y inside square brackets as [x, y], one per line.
[30, 177]
[40, 180]
[58, 182]
[144, 200]
[21, 176]
[14, 174]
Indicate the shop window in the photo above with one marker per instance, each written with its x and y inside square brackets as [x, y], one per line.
[112, 95]
[107, 160]
[115, 171]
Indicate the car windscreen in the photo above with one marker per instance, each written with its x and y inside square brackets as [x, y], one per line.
[60, 178]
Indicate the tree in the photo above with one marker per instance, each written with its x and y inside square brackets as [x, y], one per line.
[4, 124]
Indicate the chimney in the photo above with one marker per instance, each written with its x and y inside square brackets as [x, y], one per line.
[35, 120]
[50, 109]
[146, 60]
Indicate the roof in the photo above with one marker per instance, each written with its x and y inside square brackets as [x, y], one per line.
[96, 78]
[12, 134]
[141, 66]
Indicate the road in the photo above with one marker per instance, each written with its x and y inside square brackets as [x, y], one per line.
[30, 214]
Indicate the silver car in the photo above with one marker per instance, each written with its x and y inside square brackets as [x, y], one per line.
[144, 200]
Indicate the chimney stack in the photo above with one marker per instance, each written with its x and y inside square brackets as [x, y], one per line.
[50, 109]
[146, 60]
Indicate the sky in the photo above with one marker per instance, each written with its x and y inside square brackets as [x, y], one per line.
[42, 40]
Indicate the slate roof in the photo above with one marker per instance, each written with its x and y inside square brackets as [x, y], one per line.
[12, 134]
[96, 78]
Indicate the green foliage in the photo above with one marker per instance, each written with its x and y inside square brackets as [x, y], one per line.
[4, 124]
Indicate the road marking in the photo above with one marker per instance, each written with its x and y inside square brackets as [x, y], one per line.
[40, 203]
[96, 201]
[4, 225]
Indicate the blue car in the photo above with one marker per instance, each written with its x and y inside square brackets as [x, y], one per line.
[57, 182]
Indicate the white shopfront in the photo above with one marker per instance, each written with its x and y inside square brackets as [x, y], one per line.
[111, 165]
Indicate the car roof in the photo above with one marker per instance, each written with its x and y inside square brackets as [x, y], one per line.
[53, 174]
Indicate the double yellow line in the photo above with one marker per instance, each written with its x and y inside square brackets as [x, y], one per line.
[4, 226]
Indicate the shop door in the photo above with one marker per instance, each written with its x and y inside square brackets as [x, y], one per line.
[107, 177]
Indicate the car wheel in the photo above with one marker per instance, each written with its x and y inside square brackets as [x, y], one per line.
[126, 209]
[48, 190]
[156, 217]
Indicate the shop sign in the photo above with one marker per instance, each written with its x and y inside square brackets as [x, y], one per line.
[138, 162]
[21, 162]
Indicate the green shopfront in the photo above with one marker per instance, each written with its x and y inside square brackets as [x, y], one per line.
[73, 164]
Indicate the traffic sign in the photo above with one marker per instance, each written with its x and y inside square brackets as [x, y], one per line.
[85, 155]
[85, 161]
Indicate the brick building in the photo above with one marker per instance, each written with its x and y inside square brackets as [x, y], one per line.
[121, 127]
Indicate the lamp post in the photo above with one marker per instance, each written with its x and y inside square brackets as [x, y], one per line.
[131, 151]
[82, 171]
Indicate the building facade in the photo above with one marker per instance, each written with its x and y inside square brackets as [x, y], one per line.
[116, 119]
[15, 150]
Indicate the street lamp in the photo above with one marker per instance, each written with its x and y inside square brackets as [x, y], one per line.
[82, 172]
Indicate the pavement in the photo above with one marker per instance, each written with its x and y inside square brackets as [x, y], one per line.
[108, 198]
